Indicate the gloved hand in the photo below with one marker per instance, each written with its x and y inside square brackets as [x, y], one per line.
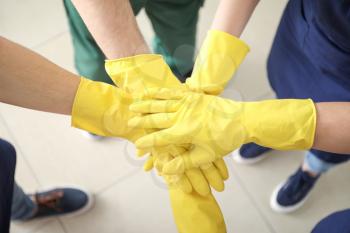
[218, 59]
[221, 125]
[103, 109]
[135, 75]
[195, 179]
[196, 214]
[201, 213]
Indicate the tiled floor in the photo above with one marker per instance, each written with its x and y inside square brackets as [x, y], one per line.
[127, 199]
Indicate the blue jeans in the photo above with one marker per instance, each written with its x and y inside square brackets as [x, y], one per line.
[7, 172]
[22, 206]
[316, 164]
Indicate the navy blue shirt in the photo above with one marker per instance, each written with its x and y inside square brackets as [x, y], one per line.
[333, 17]
[310, 56]
[338, 222]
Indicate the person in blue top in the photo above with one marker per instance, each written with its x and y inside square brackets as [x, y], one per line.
[309, 58]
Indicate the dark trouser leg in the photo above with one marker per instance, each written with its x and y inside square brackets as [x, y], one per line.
[175, 25]
[88, 57]
[7, 171]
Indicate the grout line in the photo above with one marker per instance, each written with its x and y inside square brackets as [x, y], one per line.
[19, 149]
[62, 226]
[54, 37]
[119, 180]
[37, 228]
[252, 200]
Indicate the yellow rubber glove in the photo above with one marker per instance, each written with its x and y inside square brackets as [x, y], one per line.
[198, 209]
[103, 109]
[196, 214]
[218, 59]
[136, 74]
[221, 125]
[195, 178]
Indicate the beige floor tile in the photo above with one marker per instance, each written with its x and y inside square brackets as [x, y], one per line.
[24, 177]
[52, 227]
[140, 204]
[59, 50]
[31, 23]
[134, 205]
[251, 79]
[33, 226]
[328, 195]
[59, 154]
[238, 209]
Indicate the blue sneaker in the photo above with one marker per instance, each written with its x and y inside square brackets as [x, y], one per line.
[292, 194]
[60, 202]
[250, 153]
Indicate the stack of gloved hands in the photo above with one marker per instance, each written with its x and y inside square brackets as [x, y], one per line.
[184, 128]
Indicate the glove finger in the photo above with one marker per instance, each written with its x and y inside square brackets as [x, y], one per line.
[184, 184]
[160, 138]
[213, 177]
[160, 157]
[165, 93]
[141, 153]
[175, 151]
[155, 106]
[181, 182]
[198, 181]
[191, 159]
[153, 121]
[222, 168]
[148, 165]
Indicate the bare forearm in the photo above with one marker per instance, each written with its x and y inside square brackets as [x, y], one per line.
[333, 127]
[113, 25]
[233, 15]
[31, 81]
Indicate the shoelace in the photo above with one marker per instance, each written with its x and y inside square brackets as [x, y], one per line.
[50, 200]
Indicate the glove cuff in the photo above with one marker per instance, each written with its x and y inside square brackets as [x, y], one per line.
[219, 58]
[94, 105]
[281, 124]
[135, 74]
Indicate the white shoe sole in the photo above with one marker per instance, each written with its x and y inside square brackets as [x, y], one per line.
[275, 206]
[238, 158]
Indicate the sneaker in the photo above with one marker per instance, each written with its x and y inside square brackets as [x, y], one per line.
[292, 194]
[61, 202]
[250, 153]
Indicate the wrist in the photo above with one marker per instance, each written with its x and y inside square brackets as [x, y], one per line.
[91, 102]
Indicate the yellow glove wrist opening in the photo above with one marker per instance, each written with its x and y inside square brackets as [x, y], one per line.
[218, 59]
[280, 124]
